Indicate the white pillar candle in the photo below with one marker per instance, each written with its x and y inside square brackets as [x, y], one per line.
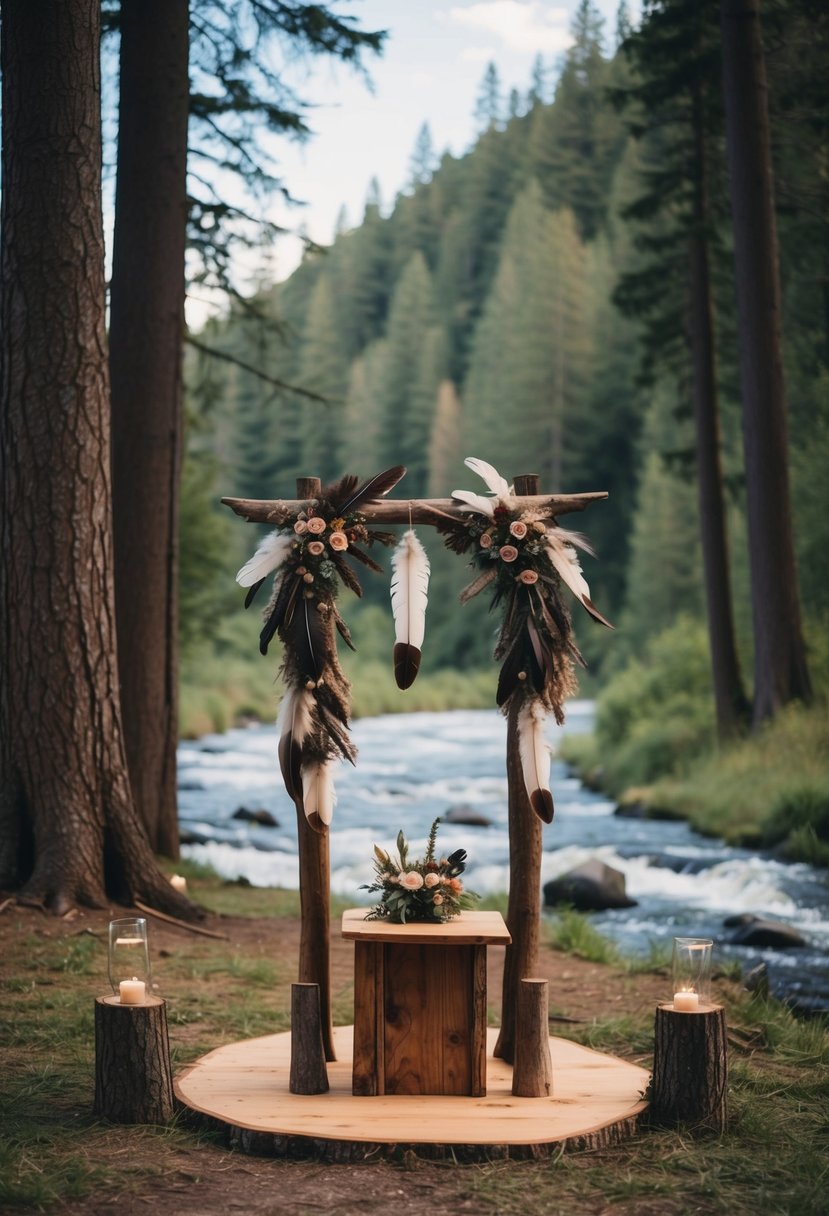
[179, 883]
[686, 1002]
[132, 991]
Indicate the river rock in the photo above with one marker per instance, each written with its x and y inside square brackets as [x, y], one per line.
[757, 980]
[771, 933]
[466, 815]
[590, 887]
[264, 818]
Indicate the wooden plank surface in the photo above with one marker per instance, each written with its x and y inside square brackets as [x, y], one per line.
[367, 1071]
[427, 1033]
[470, 928]
[245, 1085]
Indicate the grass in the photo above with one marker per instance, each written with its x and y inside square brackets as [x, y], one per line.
[771, 1160]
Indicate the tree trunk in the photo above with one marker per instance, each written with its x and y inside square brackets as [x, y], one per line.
[524, 903]
[690, 1068]
[780, 671]
[133, 1073]
[729, 697]
[146, 330]
[68, 826]
[308, 1072]
[532, 1075]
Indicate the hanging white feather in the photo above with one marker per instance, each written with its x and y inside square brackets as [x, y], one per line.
[535, 759]
[496, 483]
[269, 556]
[409, 597]
[566, 562]
[318, 795]
[294, 724]
[477, 502]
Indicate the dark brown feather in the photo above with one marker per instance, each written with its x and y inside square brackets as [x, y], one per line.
[290, 764]
[347, 574]
[541, 802]
[406, 664]
[251, 595]
[365, 559]
[343, 630]
[376, 487]
[305, 639]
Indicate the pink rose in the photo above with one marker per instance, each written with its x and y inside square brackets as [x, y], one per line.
[316, 525]
[486, 540]
[411, 880]
[431, 880]
[508, 553]
[300, 526]
[316, 548]
[338, 541]
[437, 899]
[518, 530]
[528, 577]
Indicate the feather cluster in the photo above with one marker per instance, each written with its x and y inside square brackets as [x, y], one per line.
[525, 558]
[309, 558]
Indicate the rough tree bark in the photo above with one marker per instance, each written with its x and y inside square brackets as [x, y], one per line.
[729, 696]
[146, 333]
[69, 831]
[780, 670]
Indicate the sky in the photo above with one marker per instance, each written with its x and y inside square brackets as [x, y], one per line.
[434, 58]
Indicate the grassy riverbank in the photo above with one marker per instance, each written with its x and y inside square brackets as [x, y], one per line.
[57, 1158]
[654, 744]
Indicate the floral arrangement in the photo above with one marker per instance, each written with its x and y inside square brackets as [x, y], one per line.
[426, 889]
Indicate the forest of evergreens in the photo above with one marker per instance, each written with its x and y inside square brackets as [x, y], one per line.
[533, 303]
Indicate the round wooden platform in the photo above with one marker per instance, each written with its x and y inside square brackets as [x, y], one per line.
[597, 1100]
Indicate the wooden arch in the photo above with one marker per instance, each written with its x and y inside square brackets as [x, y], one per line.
[524, 901]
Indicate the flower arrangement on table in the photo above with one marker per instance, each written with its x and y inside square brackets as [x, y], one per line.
[427, 889]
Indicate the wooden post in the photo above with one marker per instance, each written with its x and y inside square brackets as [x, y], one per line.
[315, 885]
[133, 1074]
[524, 902]
[308, 1074]
[532, 1075]
[690, 1068]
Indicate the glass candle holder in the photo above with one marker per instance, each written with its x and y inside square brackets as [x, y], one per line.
[129, 952]
[691, 972]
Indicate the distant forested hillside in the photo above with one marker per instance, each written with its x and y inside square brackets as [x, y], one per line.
[532, 303]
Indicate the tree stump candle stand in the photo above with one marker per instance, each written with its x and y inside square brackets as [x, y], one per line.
[690, 1067]
[133, 1073]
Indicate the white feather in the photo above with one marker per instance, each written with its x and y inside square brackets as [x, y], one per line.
[294, 723]
[535, 757]
[270, 555]
[409, 588]
[477, 502]
[566, 561]
[496, 483]
[318, 795]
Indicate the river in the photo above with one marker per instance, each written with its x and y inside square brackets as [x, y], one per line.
[413, 767]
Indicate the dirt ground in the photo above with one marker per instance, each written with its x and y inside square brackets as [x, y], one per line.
[206, 1178]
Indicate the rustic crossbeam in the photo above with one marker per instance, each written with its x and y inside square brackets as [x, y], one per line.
[403, 511]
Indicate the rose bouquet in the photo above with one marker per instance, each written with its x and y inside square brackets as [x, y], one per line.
[427, 889]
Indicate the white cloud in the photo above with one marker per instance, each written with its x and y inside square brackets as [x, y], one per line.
[521, 25]
[476, 54]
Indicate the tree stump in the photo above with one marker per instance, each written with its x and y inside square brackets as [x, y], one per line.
[133, 1073]
[308, 1072]
[532, 1075]
[690, 1068]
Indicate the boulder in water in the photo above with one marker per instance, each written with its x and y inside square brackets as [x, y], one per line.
[769, 933]
[466, 815]
[264, 818]
[590, 887]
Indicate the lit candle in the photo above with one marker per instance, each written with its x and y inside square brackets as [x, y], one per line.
[686, 1002]
[132, 991]
[179, 883]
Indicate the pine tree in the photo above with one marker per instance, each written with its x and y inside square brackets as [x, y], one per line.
[488, 102]
[322, 369]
